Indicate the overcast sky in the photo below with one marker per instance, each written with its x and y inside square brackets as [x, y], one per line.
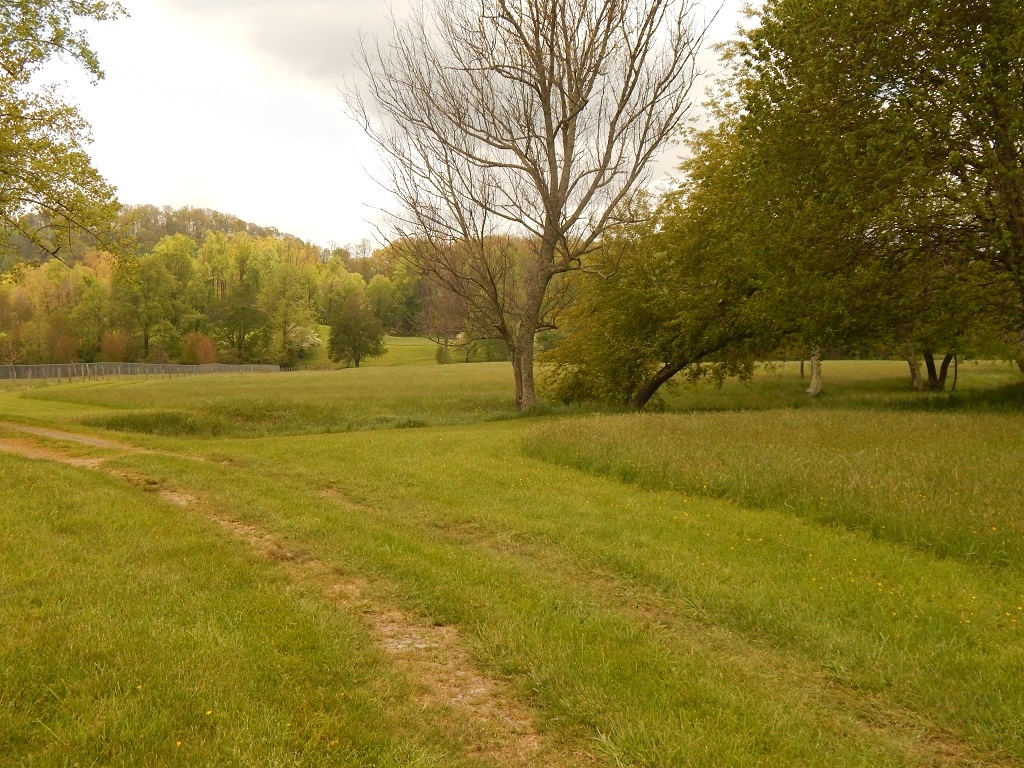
[233, 105]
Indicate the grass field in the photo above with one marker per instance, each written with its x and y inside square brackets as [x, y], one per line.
[401, 350]
[729, 583]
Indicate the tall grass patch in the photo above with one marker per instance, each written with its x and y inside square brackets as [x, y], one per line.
[946, 483]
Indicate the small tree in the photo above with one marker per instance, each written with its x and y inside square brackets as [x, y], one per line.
[198, 349]
[356, 333]
[9, 350]
[114, 347]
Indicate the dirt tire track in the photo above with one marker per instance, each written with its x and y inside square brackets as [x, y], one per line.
[73, 437]
[31, 450]
[434, 657]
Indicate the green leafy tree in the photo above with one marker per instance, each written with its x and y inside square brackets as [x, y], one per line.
[229, 274]
[145, 295]
[684, 294]
[90, 316]
[356, 333]
[287, 295]
[45, 169]
[891, 133]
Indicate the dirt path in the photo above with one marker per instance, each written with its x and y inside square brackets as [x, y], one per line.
[74, 437]
[434, 658]
[31, 450]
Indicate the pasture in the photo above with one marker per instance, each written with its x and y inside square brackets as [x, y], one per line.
[388, 566]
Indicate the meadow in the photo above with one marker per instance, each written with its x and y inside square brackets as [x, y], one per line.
[745, 578]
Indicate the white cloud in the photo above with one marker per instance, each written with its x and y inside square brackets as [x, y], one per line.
[231, 104]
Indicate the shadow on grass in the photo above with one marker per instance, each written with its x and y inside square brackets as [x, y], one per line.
[1008, 398]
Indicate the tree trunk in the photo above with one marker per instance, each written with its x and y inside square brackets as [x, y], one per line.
[1020, 364]
[944, 370]
[937, 375]
[528, 397]
[522, 368]
[801, 368]
[517, 373]
[526, 334]
[815, 388]
[933, 373]
[646, 392]
[915, 368]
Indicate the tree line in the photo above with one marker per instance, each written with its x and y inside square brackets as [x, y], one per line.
[229, 297]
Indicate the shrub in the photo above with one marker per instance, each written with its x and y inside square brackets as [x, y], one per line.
[198, 349]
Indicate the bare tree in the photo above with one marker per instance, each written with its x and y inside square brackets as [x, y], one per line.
[514, 133]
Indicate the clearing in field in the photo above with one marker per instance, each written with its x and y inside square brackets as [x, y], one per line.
[384, 567]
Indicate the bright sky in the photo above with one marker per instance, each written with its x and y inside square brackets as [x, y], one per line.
[233, 105]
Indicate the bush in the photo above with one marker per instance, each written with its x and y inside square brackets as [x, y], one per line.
[114, 347]
[198, 349]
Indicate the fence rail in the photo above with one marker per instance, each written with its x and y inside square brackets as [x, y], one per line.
[70, 371]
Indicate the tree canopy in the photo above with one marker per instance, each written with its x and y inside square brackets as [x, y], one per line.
[861, 189]
[43, 166]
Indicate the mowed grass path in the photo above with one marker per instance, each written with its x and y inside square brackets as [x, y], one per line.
[642, 626]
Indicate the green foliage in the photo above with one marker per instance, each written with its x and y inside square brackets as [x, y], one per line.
[356, 333]
[393, 302]
[863, 189]
[46, 171]
[886, 142]
[683, 294]
[442, 356]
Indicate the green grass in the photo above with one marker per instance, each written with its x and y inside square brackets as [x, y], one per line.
[950, 484]
[653, 622]
[650, 617]
[401, 350]
[282, 403]
[865, 384]
[137, 635]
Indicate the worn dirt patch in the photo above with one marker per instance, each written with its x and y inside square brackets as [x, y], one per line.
[58, 434]
[432, 656]
[32, 450]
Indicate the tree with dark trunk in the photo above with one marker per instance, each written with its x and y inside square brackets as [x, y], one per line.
[937, 375]
[356, 333]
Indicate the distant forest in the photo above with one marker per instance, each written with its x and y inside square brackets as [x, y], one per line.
[191, 285]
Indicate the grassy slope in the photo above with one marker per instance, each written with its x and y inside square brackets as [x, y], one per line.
[264, 404]
[649, 626]
[401, 350]
[629, 612]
